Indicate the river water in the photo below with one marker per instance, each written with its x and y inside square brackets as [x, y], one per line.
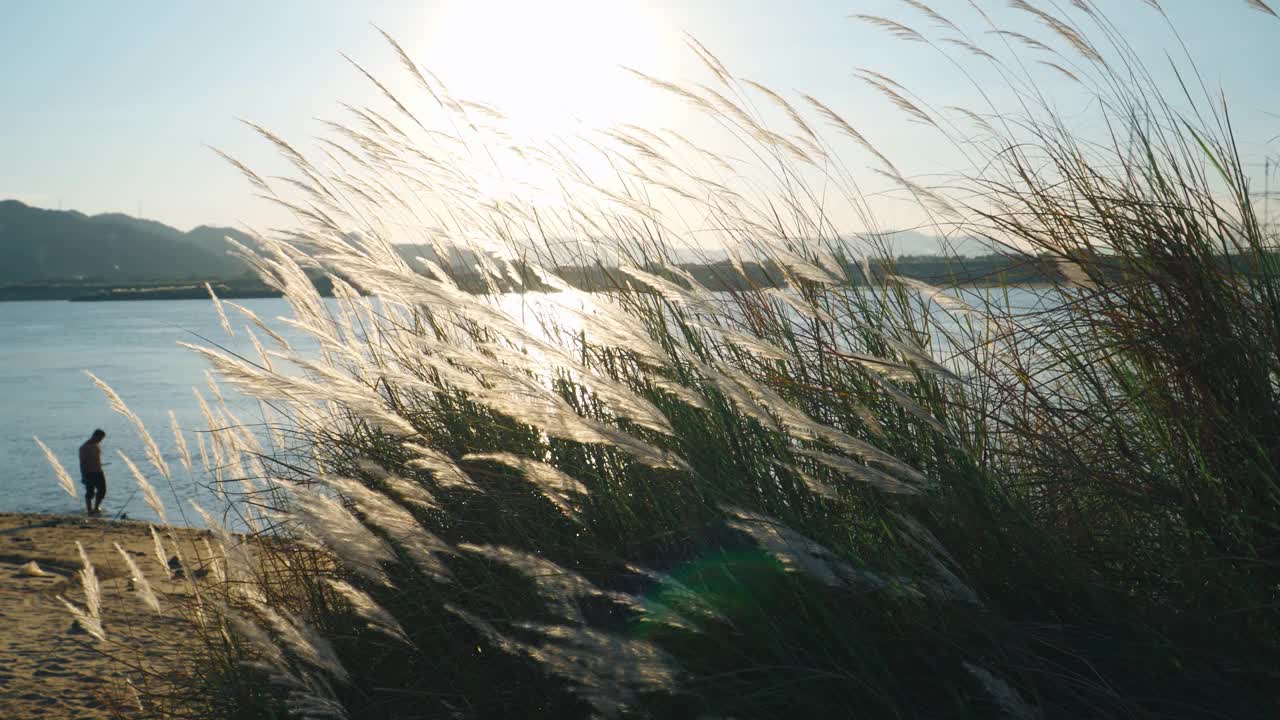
[45, 347]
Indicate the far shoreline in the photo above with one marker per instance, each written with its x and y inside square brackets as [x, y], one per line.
[200, 293]
[715, 276]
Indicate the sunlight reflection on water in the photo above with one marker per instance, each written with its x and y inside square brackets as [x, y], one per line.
[45, 346]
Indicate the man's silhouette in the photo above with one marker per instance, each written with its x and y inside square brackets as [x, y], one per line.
[95, 482]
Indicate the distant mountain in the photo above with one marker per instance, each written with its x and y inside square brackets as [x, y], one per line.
[38, 245]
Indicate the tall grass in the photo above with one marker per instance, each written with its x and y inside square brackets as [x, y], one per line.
[853, 495]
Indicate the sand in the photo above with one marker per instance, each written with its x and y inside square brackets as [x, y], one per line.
[51, 668]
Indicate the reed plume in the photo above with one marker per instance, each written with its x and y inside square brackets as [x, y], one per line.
[141, 584]
[148, 491]
[64, 479]
[838, 470]
[90, 617]
[117, 404]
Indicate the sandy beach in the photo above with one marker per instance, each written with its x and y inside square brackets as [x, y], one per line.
[52, 668]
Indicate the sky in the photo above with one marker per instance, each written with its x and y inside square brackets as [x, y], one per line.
[111, 106]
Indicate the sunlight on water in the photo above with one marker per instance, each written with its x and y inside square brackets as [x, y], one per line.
[553, 317]
[133, 347]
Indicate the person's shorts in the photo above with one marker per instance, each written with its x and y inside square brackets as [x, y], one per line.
[94, 482]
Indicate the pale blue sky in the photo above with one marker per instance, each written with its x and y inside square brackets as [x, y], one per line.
[107, 106]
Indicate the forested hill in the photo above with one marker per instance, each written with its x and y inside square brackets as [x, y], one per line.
[38, 245]
[55, 254]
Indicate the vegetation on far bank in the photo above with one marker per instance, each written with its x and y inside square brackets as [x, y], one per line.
[986, 271]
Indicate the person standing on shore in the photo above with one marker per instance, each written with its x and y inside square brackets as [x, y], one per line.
[95, 482]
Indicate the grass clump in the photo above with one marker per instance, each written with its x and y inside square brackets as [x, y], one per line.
[852, 494]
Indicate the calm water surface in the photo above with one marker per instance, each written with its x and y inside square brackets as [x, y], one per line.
[44, 349]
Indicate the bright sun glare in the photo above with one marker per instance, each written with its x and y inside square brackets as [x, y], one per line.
[551, 66]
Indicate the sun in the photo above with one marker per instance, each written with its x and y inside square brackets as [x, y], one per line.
[552, 66]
